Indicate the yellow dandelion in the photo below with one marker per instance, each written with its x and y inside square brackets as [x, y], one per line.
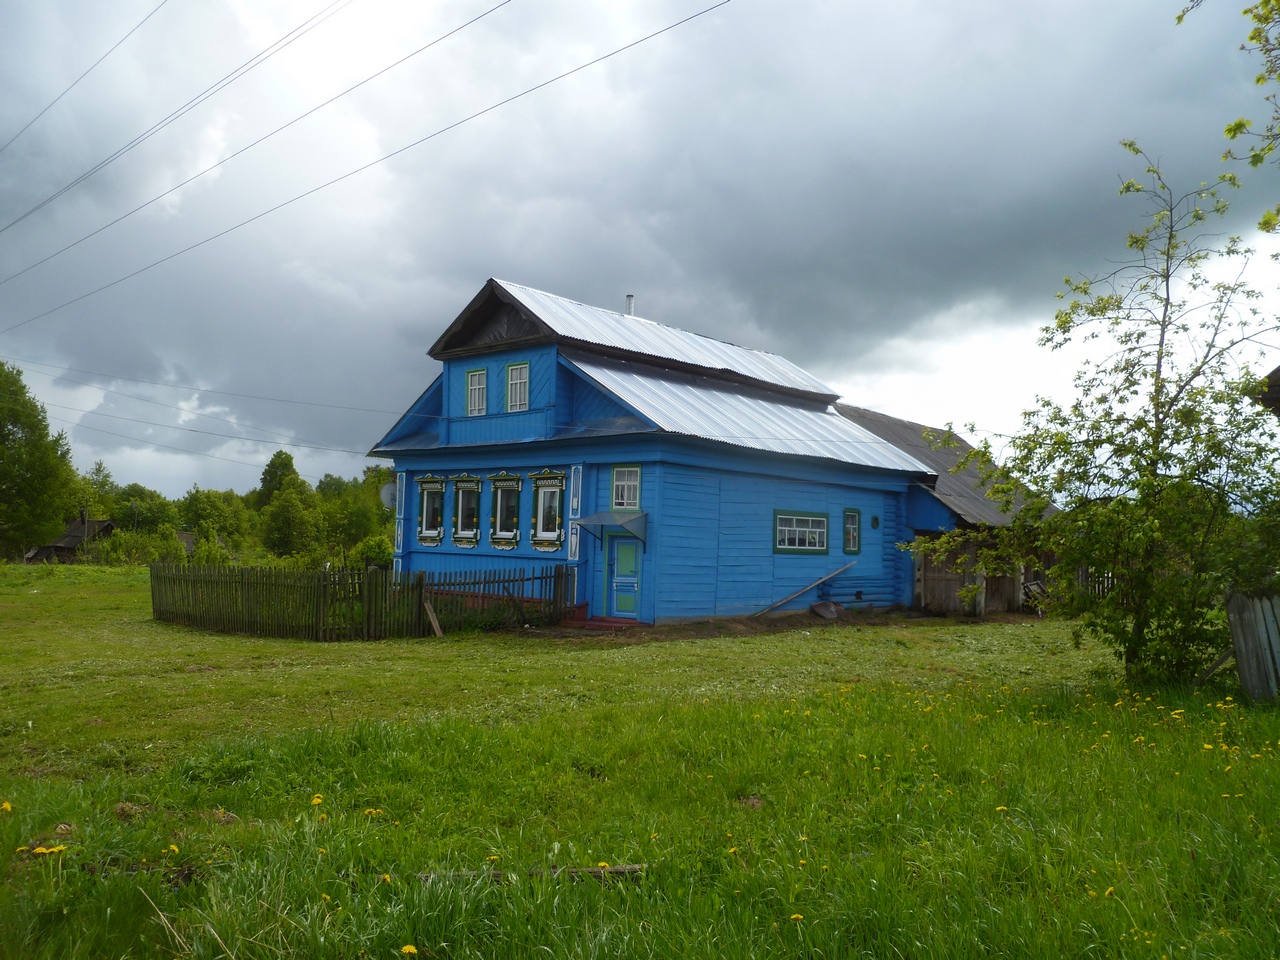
[323, 817]
[1093, 893]
[21, 849]
[6, 807]
[408, 948]
[317, 800]
[322, 850]
[1001, 809]
[797, 917]
[325, 896]
[653, 836]
[493, 858]
[733, 849]
[386, 878]
[1110, 891]
[803, 862]
[602, 865]
[173, 847]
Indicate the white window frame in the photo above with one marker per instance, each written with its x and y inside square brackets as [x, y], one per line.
[851, 513]
[626, 488]
[504, 486]
[428, 487]
[548, 489]
[799, 532]
[517, 389]
[477, 392]
[465, 485]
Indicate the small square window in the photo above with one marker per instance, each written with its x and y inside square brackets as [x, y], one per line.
[517, 387]
[626, 488]
[477, 399]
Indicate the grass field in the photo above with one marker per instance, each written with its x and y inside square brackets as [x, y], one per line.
[867, 788]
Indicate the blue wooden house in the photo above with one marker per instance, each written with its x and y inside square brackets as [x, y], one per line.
[677, 475]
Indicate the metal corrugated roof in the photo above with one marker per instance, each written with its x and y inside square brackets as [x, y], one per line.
[594, 325]
[705, 408]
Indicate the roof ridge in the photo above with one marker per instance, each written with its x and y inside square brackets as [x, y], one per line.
[632, 316]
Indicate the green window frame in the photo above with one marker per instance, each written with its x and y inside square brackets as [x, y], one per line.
[517, 387]
[477, 392]
[798, 531]
[626, 488]
[852, 530]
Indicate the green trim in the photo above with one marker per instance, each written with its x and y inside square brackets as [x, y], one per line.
[466, 391]
[525, 364]
[808, 551]
[844, 535]
[613, 485]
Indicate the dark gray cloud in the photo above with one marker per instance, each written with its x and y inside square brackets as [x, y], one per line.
[818, 179]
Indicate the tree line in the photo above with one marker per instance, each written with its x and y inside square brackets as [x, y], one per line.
[283, 520]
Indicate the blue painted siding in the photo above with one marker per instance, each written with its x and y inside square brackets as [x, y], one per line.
[710, 540]
[926, 512]
[498, 426]
[689, 537]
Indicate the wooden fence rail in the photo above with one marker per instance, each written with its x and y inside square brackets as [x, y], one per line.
[355, 604]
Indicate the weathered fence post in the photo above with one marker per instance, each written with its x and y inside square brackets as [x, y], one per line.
[1255, 638]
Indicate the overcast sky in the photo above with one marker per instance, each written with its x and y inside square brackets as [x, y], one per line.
[888, 194]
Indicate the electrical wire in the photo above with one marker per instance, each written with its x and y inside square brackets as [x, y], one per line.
[81, 77]
[351, 173]
[250, 146]
[296, 33]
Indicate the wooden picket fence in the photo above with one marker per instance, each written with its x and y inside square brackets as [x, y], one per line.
[356, 604]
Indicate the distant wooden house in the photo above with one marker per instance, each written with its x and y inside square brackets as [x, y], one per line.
[677, 476]
[950, 501]
[66, 549]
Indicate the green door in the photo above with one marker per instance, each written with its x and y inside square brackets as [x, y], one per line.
[624, 577]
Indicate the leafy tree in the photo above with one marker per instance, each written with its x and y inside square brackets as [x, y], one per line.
[220, 510]
[278, 469]
[1140, 487]
[142, 509]
[37, 479]
[374, 551]
[292, 524]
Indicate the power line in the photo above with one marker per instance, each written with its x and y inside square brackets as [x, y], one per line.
[431, 136]
[250, 146]
[180, 386]
[296, 33]
[82, 76]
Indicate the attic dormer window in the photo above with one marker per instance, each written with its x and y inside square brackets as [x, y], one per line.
[477, 399]
[517, 387]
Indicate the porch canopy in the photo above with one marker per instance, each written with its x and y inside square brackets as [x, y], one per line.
[634, 523]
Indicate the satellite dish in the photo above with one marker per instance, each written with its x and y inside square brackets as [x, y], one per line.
[387, 494]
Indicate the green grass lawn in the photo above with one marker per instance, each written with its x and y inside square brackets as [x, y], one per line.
[871, 787]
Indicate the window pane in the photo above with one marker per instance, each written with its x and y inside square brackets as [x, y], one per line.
[626, 488]
[432, 510]
[507, 511]
[852, 531]
[548, 513]
[476, 400]
[518, 388]
[468, 511]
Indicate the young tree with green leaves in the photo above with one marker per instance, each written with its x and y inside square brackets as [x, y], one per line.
[1138, 490]
[37, 479]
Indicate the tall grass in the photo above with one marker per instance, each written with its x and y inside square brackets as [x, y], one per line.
[860, 819]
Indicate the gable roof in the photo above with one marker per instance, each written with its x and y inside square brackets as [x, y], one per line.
[961, 492]
[510, 314]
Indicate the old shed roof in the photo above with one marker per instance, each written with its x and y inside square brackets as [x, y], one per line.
[962, 492]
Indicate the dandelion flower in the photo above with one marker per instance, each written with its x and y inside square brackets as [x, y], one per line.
[6, 807]
[325, 896]
[386, 878]
[408, 948]
[1001, 809]
[733, 849]
[173, 847]
[602, 865]
[317, 800]
[1110, 891]
[21, 849]
[493, 858]
[797, 917]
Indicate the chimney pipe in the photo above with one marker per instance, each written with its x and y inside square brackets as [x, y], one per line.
[631, 304]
